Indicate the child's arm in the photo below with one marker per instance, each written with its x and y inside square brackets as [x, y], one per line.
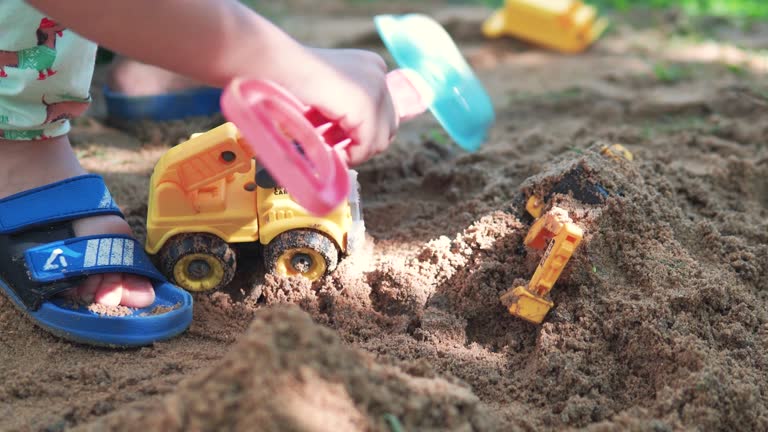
[213, 41]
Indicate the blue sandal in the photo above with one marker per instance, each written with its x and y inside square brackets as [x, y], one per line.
[41, 258]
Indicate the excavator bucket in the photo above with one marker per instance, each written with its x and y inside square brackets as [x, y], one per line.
[560, 236]
[524, 304]
[568, 26]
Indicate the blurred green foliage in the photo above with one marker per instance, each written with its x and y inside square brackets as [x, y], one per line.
[728, 8]
[669, 73]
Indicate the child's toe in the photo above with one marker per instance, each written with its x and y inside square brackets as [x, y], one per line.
[110, 291]
[87, 290]
[137, 292]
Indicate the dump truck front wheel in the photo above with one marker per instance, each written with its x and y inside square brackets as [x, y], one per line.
[301, 253]
[198, 262]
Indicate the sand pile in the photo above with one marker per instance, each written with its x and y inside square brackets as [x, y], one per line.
[290, 374]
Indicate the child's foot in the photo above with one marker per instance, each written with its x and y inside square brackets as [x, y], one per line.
[26, 165]
[179, 106]
[133, 78]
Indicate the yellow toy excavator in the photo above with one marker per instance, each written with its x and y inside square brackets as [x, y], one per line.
[560, 236]
[568, 26]
[208, 193]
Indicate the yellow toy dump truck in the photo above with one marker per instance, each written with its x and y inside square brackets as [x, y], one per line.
[208, 194]
[569, 26]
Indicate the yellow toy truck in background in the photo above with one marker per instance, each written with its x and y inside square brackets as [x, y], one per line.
[208, 194]
[568, 26]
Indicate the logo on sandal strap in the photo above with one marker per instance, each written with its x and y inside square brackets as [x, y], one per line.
[50, 263]
[106, 200]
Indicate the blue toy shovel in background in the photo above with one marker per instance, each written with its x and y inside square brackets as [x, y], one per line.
[459, 102]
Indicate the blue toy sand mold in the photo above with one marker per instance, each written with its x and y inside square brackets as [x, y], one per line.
[461, 104]
[197, 102]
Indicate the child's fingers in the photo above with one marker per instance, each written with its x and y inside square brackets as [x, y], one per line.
[391, 119]
[357, 57]
[374, 134]
[375, 59]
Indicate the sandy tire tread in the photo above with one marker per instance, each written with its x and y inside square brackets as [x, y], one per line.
[183, 244]
[301, 238]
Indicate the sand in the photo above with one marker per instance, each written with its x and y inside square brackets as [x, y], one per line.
[660, 319]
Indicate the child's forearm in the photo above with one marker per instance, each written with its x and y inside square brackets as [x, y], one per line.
[211, 41]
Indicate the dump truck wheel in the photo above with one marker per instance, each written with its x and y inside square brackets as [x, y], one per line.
[301, 253]
[198, 262]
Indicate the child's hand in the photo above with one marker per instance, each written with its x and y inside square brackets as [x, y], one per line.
[350, 86]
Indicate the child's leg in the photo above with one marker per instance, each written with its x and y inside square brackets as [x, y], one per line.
[25, 165]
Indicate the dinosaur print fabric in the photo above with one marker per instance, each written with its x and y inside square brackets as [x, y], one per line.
[45, 74]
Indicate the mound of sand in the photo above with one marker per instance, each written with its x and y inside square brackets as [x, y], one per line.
[289, 374]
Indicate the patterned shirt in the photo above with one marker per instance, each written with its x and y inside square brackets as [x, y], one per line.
[45, 73]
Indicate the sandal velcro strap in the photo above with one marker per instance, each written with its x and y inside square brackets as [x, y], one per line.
[70, 199]
[82, 256]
